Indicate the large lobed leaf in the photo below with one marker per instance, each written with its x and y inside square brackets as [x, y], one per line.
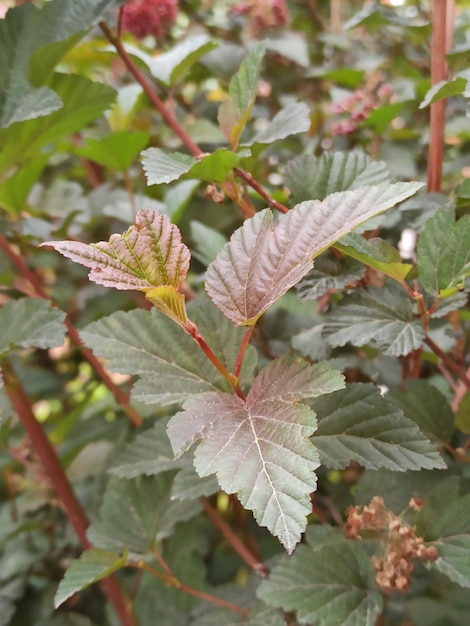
[262, 261]
[30, 323]
[382, 317]
[258, 447]
[357, 424]
[328, 584]
[149, 254]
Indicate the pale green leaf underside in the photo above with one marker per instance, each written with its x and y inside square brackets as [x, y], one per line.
[327, 585]
[314, 178]
[149, 254]
[292, 120]
[93, 565]
[161, 167]
[262, 261]
[357, 424]
[258, 447]
[444, 253]
[30, 323]
[382, 317]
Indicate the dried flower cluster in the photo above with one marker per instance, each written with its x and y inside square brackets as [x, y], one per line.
[356, 108]
[263, 14]
[402, 546]
[148, 17]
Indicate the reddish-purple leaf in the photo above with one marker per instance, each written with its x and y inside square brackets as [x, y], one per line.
[259, 448]
[149, 254]
[262, 261]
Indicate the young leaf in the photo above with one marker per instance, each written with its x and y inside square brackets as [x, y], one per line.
[357, 424]
[428, 408]
[292, 120]
[328, 273]
[235, 111]
[161, 167]
[258, 447]
[137, 513]
[445, 89]
[376, 253]
[327, 585]
[149, 254]
[30, 323]
[382, 317]
[314, 178]
[444, 253]
[262, 261]
[93, 565]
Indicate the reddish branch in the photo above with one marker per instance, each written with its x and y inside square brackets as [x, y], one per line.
[450, 363]
[58, 479]
[121, 397]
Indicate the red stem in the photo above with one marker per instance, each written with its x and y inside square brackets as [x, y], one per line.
[121, 397]
[461, 373]
[234, 541]
[241, 352]
[58, 479]
[251, 182]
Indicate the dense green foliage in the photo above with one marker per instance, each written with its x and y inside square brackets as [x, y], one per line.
[255, 406]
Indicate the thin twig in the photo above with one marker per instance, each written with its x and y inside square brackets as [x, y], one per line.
[233, 540]
[121, 397]
[251, 182]
[242, 350]
[457, 369]
[58, 479]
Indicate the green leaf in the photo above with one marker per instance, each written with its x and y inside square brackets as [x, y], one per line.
[326, 585]
[257, 447]
[164, 168]
[10, 592]
[379, 316]
[116, 151]
[83, 100]
[235, 111]
[444, 253]
[375, 253]
[258, 616]
[357, 424]
[149, 254]
[23, 33]
[93, 565]
[462, 416]
[207, 242]
[15, 190]
[329, 272]
[448, 528]
[137, 514]
[314, 178]
[445, 89]
[428, 408]
[292, 120]
[30, 323]
[262, 262]
[189, 485]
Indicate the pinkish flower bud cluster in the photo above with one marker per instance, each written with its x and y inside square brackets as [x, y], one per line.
[356, 108]
[402, 546]
[263, 14]
[149, 17]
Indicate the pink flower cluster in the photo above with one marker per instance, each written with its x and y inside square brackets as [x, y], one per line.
[263, 14]
[149, 17]
[356, 108]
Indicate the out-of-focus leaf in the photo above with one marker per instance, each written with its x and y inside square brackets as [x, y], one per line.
[207, 241]
[328, 273]
[382, 317]
[357, 424]
[30, 323]
[116, 151]
[262, 262]
[445, 89]
[292, 120]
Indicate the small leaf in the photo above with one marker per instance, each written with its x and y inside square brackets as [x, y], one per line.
[444, 89]
[116, 151]
[444, 253]
[292, 120]
[327, 585]
[235, 111]
[375, 253]
[93, 565]
[428, 408]
[258, 447]
[30, 323]
[314, 178]
[261, 262]
[160, 167]
[149, 254]
[382, 317]
[357, 424]
[136, 514]
[328, 273]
